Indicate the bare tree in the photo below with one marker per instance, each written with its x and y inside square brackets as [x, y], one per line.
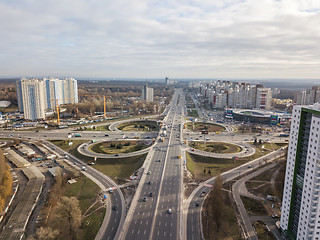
[68, 209]
[45, 233]
[217, 209]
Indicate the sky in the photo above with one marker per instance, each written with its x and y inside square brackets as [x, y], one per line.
[154, 39]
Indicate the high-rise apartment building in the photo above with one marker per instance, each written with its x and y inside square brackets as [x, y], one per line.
[307, 97]
[147, 93]
[50, 92]
[31, 98]
[300, 213]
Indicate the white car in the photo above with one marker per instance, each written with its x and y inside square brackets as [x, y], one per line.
[169, 211]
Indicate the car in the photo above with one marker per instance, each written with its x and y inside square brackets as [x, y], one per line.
[94, 136]
[106, 135]
[197, 204]
[169, 210]
[148, 137]
[249, 166]
[149, 183]
[275, 216]
[116, 155]
[144, 199]
[150, 194]
[159, 160]
[45, 135]
[114, 208]
[149, 172]
[192, 150]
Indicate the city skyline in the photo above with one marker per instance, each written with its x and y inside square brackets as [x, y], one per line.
[225, 39]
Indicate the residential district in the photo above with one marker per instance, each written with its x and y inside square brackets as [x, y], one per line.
[161, 159]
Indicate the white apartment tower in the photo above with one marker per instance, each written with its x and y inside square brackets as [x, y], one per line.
[300, 213]
[46, 94]
[31, 98]
[147, 93]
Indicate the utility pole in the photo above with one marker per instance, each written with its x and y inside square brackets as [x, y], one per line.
[58, 114]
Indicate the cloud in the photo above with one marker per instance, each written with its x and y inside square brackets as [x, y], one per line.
[195, 38]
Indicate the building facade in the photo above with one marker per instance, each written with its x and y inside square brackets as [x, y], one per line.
[31, 98]
[147, 93]
[308, 97]
[300, 213]
[47, 93]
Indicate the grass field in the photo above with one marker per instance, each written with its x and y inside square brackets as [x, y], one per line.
[193, 113]
[99, 128]
[87, 192]
[64, 144]
[229, 227]
[210, 127]
[144, 126]
[197, 164]
[119, 147]
[216, 147]
[118, 169]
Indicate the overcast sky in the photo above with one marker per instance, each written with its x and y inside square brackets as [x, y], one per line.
[154, 39]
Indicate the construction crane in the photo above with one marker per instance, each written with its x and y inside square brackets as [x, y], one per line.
[104, 108]
[57, 107]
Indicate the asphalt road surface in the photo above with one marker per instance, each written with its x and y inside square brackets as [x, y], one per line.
[151, 219]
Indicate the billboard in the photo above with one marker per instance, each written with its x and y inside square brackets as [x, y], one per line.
[274, 119]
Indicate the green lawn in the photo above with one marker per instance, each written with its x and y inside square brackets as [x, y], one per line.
[99, 128]
[119, 147]
[193, 113]
[118, 169]
[196, 165]
[87, 192]
[216, 147]
[64, 144]
[210, 127]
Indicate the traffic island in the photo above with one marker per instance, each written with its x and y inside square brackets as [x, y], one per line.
[216, 147]
[119, 147]
[200, 126]
[141, 126]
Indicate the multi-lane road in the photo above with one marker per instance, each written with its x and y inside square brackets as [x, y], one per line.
[157, 213]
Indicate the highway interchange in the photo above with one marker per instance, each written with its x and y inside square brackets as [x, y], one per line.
[157, 210]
